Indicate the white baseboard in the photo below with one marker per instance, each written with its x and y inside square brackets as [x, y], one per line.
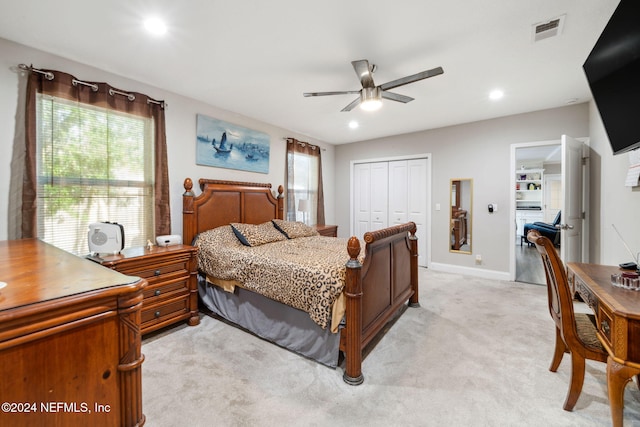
[470, 271]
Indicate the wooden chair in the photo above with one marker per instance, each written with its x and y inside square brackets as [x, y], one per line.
[575, 332]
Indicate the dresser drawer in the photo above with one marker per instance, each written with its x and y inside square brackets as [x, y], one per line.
[167, 310]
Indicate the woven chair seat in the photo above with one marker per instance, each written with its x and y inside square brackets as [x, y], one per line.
[586, 328]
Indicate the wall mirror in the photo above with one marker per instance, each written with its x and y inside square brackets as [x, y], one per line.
[461, 191]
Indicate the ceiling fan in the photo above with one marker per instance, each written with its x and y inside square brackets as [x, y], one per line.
[371, 95]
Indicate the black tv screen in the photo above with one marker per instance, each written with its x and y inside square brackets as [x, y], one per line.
[613, 72]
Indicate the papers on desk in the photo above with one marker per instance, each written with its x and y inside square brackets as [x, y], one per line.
[634, 169]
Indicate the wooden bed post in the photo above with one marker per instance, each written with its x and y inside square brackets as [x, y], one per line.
[353, 291]
[188, 219]
[280, 202]
[413, 241]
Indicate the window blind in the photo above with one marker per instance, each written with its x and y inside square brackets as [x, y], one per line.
[94, 164]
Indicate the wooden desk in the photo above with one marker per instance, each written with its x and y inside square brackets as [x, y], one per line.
[618, 321]
[69, 340]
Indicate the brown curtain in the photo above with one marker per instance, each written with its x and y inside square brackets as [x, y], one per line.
[66, 86]
[295, 147]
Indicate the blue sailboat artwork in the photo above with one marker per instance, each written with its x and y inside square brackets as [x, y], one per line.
[226, 145]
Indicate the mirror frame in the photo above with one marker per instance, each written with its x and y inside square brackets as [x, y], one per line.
[463, 224]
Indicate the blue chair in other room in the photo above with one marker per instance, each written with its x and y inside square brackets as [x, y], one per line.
[545, 229]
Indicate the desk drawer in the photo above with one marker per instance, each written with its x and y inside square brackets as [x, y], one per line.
[577, 286]
[606, 326]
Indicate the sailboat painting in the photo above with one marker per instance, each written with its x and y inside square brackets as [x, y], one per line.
[225, 145]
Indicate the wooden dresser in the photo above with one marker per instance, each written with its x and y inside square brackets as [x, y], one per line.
[172, 293]
[69, 340]
[327, 230]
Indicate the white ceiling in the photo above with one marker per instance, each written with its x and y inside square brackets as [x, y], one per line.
[256, 58]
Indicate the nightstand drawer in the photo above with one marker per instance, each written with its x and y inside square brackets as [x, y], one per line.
[166, 310]
[171, 294]
[159, 271]
[153, 293]
[327, 230]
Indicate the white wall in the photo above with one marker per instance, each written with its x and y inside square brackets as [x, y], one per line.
[611, 202]
[479, 150]
[181, 131]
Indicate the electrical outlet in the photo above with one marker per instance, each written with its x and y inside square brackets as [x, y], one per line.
[478, 259]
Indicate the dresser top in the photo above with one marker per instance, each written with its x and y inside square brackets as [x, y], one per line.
[35, 271]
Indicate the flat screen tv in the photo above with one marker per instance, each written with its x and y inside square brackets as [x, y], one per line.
[613, 72]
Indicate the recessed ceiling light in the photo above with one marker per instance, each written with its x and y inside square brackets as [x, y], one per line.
[496, 94]
[353, 124]
[155, 26]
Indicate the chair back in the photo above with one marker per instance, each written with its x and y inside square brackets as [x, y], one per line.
[559, 294]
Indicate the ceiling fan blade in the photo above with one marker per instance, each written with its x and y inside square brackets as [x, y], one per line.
[397, 97]
[363, 70]
[352, 105]
[344, 92]
[413, 78]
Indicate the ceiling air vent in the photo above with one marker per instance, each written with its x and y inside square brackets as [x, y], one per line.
[547, 29]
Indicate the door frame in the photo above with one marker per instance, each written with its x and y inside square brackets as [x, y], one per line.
[512, 199]
[428, 189]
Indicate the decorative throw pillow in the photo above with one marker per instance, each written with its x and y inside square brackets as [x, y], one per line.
[293, 229]
[256, 235]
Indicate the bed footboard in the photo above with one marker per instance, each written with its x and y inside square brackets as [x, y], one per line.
[376, 289]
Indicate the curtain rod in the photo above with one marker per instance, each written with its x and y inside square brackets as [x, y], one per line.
[94, 87]
[47, 74]
[287, 138]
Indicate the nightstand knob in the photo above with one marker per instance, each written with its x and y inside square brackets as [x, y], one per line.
[157, 314]
[156, 273]
[157, 292]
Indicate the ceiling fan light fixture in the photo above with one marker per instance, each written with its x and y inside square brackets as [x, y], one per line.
[371, 98]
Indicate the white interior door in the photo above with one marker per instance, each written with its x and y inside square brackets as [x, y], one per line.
[370, 197]
[572, 221]
[552, 196]
[379, 196]
[361, 198]
[398, 192]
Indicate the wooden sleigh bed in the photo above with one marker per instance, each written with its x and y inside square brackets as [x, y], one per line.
[375, 289]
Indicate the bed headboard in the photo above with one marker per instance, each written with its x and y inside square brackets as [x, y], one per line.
[224, 202]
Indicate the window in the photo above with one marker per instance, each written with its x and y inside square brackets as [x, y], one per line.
[305, 200]
[92, 153]
[93, 165]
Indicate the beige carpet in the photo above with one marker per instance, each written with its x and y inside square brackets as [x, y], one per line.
[476, 353]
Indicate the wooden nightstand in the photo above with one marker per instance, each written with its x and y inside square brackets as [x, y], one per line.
[172, 292]
[327, 230]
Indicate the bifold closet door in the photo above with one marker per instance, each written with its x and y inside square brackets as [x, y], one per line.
[389, 193]
[398, 192]
[371, 185]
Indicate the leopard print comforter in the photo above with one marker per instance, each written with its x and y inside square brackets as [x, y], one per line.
[307, 273]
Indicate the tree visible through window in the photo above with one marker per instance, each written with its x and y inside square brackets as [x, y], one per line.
[93, 164]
